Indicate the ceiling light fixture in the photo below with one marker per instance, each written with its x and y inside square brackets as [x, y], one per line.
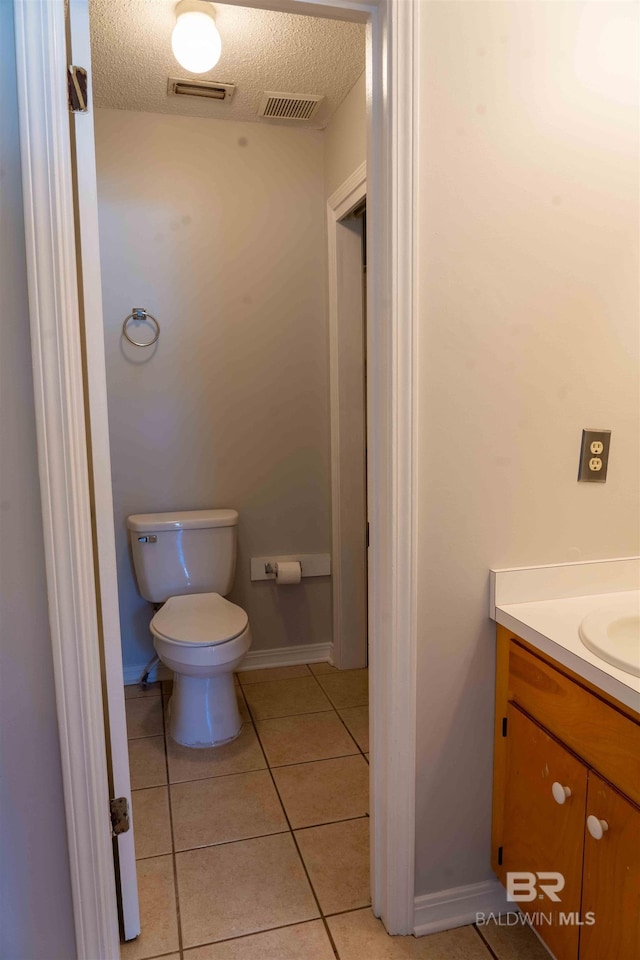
[195, 40]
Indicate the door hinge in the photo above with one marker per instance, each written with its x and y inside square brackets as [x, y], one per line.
[77, 89]
[504, 726]
[499, 856]
[119, 809]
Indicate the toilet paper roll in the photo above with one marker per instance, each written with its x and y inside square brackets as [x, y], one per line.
[288, 572]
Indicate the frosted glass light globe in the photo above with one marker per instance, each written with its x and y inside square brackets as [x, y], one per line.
[195, 41]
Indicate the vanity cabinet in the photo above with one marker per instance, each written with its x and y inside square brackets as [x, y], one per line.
[611, 874]
[567, 801]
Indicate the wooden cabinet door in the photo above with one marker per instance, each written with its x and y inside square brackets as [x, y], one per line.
[540, 834]
[611, 878]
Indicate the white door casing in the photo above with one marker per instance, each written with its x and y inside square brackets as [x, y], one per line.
[88, 255]
[348, 424]
[63, 468]
[64, 477]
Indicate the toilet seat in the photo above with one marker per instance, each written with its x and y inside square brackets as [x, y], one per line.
[199, 618]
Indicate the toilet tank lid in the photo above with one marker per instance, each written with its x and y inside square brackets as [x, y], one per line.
[182, 520]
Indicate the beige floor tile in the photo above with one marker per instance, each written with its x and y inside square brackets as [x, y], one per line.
[324, 791]
[318, 668]
[147, 762]
[359, 936]
[336, 856]
[240, 888]
[133, 690]
[303, 941]
[513, 943]
[226, 808]
[144, 717]
[158, 917]
[357, 720]
[273, 673]
[151, 822]
[346, 688]
[285, 698]
[312, 736]
[239, 756]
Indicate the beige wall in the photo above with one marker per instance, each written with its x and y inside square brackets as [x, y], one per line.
[36, 921]
[528, 299]
[346, 137]
[218, 228]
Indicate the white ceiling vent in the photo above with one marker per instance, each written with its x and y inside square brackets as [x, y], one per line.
[200, 88]
[289, 106]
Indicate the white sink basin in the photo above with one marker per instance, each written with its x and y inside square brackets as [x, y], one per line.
[613, 634]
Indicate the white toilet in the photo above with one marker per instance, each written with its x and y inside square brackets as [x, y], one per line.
[186, 561]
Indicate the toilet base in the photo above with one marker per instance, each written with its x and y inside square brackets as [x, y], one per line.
[203, 711]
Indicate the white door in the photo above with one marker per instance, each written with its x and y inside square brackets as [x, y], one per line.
[88, 255]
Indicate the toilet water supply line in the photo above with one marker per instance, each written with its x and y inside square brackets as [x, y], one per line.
[144, 679]
[155, 659]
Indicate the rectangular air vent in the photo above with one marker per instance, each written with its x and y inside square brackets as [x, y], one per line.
[200, 88]
[289, 106]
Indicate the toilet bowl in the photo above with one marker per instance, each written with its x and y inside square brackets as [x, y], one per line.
[202, 638]
[186, 561]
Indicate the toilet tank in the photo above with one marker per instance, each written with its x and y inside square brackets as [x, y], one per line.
[192, 551]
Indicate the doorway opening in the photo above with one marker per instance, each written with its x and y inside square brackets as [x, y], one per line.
[225, 404]
[59, 390]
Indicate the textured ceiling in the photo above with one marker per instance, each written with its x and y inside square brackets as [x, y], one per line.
[261, 50]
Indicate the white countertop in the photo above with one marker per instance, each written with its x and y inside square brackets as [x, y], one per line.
[552, 627]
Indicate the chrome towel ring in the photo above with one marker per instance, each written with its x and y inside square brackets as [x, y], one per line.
[140, 313]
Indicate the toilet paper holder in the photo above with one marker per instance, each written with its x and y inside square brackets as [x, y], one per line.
[311, 565]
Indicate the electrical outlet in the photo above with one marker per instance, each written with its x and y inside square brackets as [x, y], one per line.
[594, 455]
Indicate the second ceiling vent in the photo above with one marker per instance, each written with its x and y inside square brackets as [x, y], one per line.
[289, 106]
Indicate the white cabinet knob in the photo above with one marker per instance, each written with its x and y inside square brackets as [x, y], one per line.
[560, 793]
[596, 827]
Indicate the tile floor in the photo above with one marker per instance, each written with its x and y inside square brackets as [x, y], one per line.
[259, 850]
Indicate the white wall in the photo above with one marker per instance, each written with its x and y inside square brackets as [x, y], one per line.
[528, 299]
[218, 229]
[346, 137]
[36, 921]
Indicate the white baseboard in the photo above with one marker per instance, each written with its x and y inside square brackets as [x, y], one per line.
[254, 660]
[288, 656]
[457, 907]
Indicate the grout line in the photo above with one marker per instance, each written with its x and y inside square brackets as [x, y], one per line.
[330, 823]
[302, 763]
[341, 913]
[301, 676]
[256, 836]
[287, 716]
[226, 843]
[304, 866]
[349, 731]
[486, 945]
[255, 933]
[173, 844]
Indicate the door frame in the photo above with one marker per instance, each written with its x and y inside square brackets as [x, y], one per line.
[63, 458]
[348, 651]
